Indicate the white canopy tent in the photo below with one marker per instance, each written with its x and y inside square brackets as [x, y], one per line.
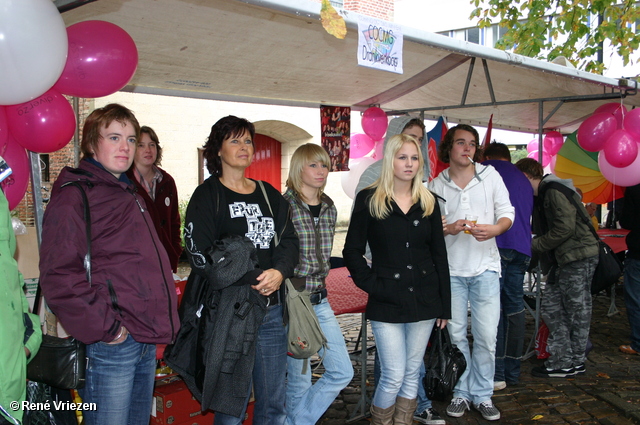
[276, 52]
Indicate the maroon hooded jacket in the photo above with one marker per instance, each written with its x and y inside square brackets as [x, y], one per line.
[132, 283]
[164, 213]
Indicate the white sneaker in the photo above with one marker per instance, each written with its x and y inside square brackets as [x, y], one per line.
[499, 385]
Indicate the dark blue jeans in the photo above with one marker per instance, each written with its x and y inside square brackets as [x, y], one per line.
[632, 299]
[510, 342]
[120, 381]
[269, 374]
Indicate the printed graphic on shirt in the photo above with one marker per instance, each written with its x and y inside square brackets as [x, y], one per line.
[260, 229]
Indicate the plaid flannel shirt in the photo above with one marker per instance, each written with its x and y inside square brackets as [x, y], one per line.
[314, 239]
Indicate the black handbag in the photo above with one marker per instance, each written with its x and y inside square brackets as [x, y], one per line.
[62, 362]
[445, 364]
[607, 271]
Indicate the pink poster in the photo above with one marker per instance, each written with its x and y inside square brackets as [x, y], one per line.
[335, 130]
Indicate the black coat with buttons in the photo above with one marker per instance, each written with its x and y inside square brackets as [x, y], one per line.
[408, 280]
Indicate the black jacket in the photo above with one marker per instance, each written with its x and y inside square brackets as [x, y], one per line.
[630, 220]
[409, 277]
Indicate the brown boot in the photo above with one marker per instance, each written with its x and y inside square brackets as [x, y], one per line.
[405, 408]
[381, 416]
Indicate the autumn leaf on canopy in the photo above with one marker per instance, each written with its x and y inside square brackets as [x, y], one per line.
[332, 22]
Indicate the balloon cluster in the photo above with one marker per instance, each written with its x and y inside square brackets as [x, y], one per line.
[365, 149]
[551, 145]
[40, 60]
[615, 133]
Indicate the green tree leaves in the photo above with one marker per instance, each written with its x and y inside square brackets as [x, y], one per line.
[576, 29]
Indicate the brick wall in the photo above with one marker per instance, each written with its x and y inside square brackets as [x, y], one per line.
[381, 9]
[59, 159]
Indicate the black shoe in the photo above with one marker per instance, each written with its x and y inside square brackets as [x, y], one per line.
[429, 416]
[544, 372]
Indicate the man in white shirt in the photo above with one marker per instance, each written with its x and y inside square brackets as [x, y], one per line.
[470, 188]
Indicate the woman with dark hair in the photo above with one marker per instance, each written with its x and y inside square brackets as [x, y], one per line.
[159, 191]
[228, 203]
[125, 302]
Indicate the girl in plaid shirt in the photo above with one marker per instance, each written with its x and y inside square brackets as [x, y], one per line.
[314, 218]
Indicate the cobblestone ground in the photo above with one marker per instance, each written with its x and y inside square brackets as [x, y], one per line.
[608, 393]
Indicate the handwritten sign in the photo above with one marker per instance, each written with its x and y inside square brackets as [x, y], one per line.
[379, 44]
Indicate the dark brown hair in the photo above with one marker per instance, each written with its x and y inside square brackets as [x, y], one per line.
[447, 143]
[531, 168]
[154, 138]
[229, 126]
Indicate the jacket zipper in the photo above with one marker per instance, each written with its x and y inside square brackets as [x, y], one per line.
[166, 285]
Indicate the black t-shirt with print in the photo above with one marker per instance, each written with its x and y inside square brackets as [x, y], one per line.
[249, 215]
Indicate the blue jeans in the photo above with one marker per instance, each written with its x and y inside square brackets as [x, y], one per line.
[269, 374]
[306, 403]
[423, 401]
[482, 294]
[510, 343]
[119, 380]
[401, 348]
[632, 299]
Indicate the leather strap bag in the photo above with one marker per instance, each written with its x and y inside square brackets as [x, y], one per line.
[62, 362]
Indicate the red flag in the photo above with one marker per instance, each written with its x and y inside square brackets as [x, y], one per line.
[435, 136]
[487, 135]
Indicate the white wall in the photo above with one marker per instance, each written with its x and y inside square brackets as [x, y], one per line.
[183, 126]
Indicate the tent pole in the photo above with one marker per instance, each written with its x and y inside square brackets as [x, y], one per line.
[36, 186]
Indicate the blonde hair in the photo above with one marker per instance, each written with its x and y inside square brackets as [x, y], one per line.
[380, 202]
[305, 154]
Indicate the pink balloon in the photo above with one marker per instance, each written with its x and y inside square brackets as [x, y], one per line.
[618, 110]
[4, 128]
[374, 123]
[546, 158]
[533, 145]
[552, 164]
[44, 124]
[621, 148]
[378, 152]
[595, 130]
[552, 142]
[15, 186]
[360, 145]
[624, 176]
[102, 59]
[631, 121]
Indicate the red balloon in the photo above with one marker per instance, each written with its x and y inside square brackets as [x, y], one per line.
[621, 148]
[552, 142]
[595, 130]
[15, 186]
[374, 123]
[631, 121]
[360, 145]
[617, 109]
[44, 124]
[102, 59]
[4, 128]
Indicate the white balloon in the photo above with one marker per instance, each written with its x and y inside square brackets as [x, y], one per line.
[33, 49]
[351, 178]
